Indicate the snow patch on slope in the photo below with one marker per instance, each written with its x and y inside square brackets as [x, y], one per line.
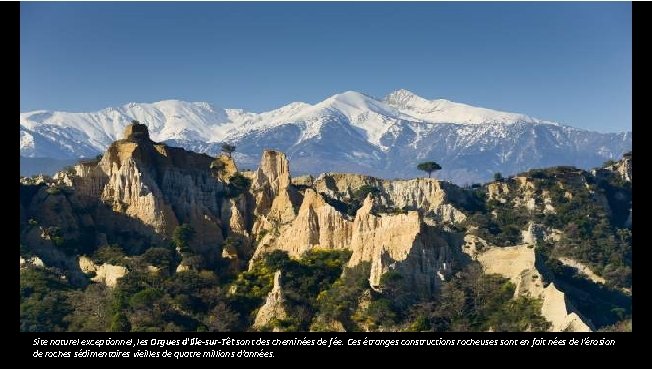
[445, 111]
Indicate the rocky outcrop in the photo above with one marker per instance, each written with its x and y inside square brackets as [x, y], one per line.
[622, 167]
[306, 181]
[273, 172]
[473, 245]
[582, 269]
[104, 273]
[276, 201]
[518, 264]
[237, 248]
[130, 192]
[158, 186]
[390, 242]
[274, 308]
[317, 225]
[430, 196]
[410, 227]
[498, 191]
[533, 234]
[521, 191]
[223, 167]
[525, 195]
[402, 243]
[236, 218]
[136, 132]
[34, 260]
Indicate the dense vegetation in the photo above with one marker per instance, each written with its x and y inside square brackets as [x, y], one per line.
[478, 302]
[320, 294]
[44, 301]
[592, 230]
[603, 305]
[162, 300]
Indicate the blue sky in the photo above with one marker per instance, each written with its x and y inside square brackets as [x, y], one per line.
[567, 62]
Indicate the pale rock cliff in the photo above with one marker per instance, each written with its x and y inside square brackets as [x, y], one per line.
[473, 245]
[400, 243]
[276, 200]
[625, 167]
[582, 269]
[238, 246]
[104, 273]
[317, 225]
[274, 308]
[34, 260]
[158, 186]
[518, 264]
[526, 196]
[535, 233]
[306, 180]
[498, 191]
[427, 195]
[223, 167]
[622, 167]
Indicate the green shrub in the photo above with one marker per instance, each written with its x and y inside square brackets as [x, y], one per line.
[164, 258]
[112, 254]
[182, 236]
[238, 184]
[43, 302]
[145, 298]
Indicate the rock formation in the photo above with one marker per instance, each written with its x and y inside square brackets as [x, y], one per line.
[424, 194]
[518, 263]
[158, 186]
[223, 167]
[140, 191]
[104, 273]
[400, 242]
[622, 167]
[276, 200]
[273, 309]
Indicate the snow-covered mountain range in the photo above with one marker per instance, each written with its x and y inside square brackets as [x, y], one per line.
[347, 132]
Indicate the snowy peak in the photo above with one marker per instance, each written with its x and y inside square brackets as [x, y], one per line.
[404, 99]
[446, 111]
[352, 104]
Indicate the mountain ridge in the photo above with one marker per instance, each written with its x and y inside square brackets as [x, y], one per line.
[381, 137]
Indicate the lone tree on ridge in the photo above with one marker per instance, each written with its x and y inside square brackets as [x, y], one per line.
[429, 167]
[228, 148]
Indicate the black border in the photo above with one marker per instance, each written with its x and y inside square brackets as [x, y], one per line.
[317, 354]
